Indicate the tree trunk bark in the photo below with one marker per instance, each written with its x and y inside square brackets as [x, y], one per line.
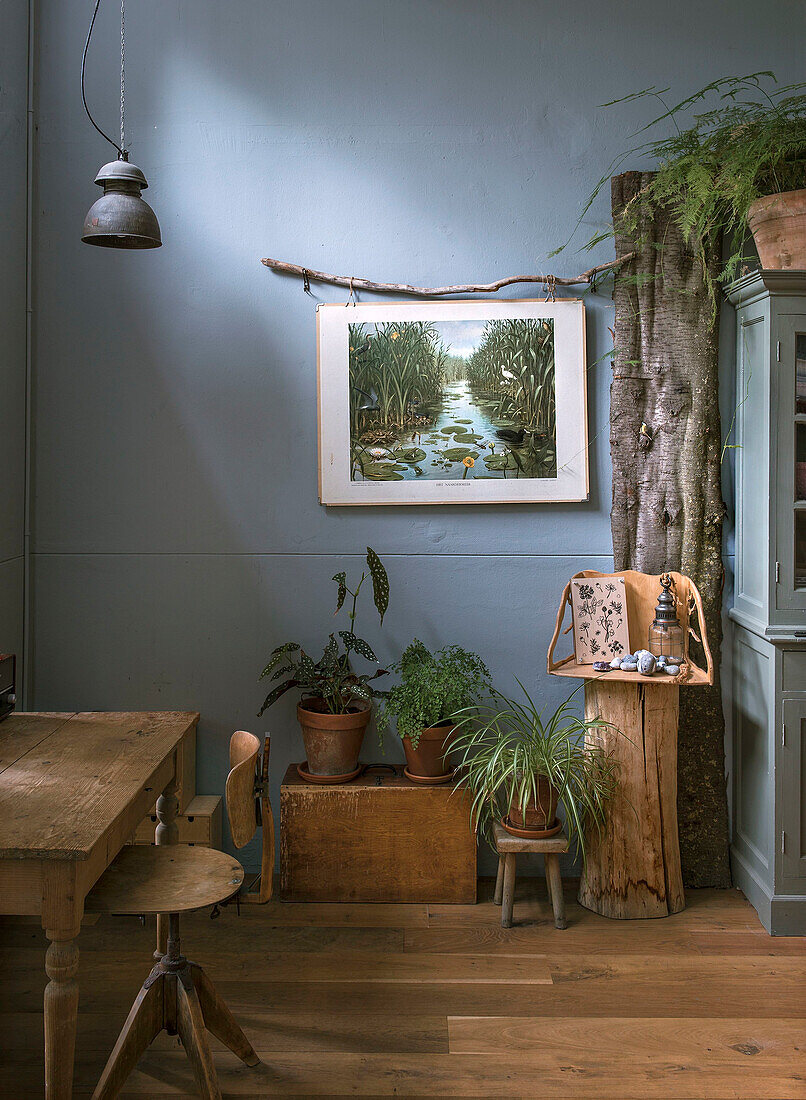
[665, 443]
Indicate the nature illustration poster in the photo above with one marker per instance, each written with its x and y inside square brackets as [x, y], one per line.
[462, 402]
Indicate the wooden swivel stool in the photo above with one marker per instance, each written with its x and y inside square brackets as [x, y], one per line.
[177, 995]
[508, 847]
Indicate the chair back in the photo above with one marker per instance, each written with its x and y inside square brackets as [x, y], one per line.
[244, 749]
[248, 806]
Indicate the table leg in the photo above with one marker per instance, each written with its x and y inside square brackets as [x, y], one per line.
[166, 832]
[508, 899]
[61, 1011]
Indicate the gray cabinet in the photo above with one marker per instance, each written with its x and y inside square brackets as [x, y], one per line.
[769, 609]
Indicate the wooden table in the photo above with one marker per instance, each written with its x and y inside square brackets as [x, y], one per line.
[73, 789]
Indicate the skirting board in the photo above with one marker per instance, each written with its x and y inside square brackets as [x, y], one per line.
[781, 914]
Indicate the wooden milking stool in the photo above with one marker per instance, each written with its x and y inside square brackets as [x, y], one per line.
[508, 848]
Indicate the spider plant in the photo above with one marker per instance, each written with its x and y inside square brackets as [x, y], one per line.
[506, 746]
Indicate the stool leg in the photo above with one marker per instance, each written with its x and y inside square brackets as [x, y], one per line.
[508, 895]
[499, 882]
[557, 899]
[548, 878]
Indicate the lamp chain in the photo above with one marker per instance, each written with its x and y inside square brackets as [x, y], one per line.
[122, 74]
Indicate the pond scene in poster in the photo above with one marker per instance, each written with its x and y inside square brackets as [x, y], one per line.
[452, 400]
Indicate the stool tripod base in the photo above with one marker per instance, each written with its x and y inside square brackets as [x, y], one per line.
[177, 997]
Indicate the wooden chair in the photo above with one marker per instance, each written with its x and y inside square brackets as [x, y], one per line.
[177, 995]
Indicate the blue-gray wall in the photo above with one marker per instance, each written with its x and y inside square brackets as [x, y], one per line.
[13, 204]
[177, 534]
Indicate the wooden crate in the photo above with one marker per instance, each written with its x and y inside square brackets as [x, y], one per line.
[199, 824]
[380, 838]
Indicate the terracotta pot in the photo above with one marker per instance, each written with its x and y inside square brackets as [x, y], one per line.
[332, 741]
[540, 814]
[778, 224]
[432, 755]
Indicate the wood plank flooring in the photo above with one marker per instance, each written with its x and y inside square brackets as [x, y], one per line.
[397, 1000]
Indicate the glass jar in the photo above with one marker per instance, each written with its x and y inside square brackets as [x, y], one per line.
[666, 633]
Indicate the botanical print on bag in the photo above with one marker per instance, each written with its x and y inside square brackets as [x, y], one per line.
[600, 619]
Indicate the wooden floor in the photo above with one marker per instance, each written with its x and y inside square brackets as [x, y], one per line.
[393, 1000]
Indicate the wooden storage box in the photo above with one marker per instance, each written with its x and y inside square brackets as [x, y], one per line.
[199, 824]
[380, 838]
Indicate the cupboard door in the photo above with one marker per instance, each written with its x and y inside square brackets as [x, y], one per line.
[790, 474]
[793, 795]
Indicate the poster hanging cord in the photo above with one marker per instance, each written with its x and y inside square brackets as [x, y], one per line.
[353, 299]
[306, 283]
[551, 287]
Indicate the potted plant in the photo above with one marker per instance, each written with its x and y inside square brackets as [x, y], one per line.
[740, 164]
[433, 686]
[336, 701]
[519, 764]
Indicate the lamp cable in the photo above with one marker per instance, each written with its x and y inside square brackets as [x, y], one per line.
[118, 148]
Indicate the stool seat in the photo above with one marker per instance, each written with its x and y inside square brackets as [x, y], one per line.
[168, 878]
[508, 848]
[506, 842]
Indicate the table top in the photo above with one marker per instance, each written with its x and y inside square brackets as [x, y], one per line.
[695, 677]
[65, 778]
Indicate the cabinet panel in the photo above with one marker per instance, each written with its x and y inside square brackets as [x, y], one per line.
[793, 674]
[793, 784]
[753, 704]
[752, 464]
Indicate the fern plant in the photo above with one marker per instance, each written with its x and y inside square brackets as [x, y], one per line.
[750, 143]
[332, 678]
[506, 745]
[433, 686]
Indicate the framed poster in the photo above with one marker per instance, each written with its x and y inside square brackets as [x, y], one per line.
[457, 402]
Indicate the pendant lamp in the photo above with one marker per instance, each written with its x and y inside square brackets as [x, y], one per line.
[120, 218]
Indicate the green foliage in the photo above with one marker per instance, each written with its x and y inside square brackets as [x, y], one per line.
[332, 677]
[402, 364]
[506, 745]
[750, 144]
[433, 686]
[515, 363]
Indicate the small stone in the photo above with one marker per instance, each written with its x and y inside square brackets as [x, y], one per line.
[662, 661]
[616, 662]
[601, 666]
[646, 664]
[672, 670]
[629, 666]
[675, 660]
[639, 653]
[628, 657]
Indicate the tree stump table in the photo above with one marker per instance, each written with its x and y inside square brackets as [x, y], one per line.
[632, 868]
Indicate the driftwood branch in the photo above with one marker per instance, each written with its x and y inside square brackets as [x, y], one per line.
[550, 281]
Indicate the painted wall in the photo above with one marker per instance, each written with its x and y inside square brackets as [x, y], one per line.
[177, 533]
[13, 203]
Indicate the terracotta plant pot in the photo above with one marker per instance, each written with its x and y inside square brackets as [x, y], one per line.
[332, 741]
[431, 757]
[539, 817]
[778, 224]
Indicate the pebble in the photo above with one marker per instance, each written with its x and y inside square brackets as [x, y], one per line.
[672, 670]
[646, 663]
[663, 660]
[601, 666]
[616, 662]
[628, 666]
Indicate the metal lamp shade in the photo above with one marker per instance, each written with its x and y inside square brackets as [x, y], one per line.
[121, 218]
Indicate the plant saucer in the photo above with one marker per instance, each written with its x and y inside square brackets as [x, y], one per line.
[532, 834]
[430, 780]
[310, 777]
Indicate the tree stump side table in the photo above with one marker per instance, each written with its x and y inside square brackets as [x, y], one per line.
[632, 869]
